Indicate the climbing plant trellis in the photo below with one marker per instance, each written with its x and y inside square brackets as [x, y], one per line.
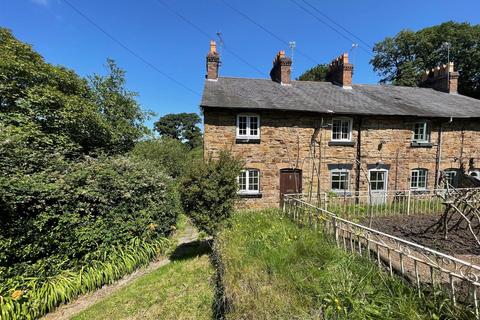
[422, 266]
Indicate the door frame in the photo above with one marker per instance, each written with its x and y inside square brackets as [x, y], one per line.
[289, 170]
[385, 183]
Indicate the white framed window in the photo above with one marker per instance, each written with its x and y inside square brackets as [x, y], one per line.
[249, 181]
[248, 126]
[341, 129]
[418, 179]
[451, 177]
[421, 132]
[378, 179]
[340, 179]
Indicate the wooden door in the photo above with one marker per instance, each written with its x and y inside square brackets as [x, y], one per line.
[290, 182]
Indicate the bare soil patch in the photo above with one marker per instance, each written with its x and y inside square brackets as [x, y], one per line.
[413, 228]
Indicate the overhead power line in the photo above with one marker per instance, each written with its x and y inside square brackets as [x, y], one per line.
[271, 33]
[207, 35]
[126, 48]
[337, 24]
[328, 25]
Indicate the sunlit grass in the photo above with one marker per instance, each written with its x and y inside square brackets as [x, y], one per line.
[182, 289]
[274, 269]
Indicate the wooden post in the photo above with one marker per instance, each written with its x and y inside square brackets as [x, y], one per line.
[408, 201]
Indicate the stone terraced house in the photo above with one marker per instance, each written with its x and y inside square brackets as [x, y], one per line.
[303, 136]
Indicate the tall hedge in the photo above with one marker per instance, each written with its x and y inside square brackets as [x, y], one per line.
[209, 190]
[53, 219]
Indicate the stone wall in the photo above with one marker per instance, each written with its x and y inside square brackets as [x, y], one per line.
[385, 142]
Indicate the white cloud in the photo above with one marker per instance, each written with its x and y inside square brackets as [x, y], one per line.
[41, 2]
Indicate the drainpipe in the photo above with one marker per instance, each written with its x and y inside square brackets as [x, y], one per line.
[358, 156]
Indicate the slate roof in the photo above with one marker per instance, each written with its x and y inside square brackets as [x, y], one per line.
[325, 97]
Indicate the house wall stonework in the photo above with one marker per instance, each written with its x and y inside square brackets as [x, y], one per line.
[385, 142]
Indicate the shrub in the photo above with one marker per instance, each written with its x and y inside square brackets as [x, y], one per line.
[31, 298]
[208, 191]
[167, 153]
[52, 219]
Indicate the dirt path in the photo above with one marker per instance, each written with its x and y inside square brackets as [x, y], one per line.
[83, 302]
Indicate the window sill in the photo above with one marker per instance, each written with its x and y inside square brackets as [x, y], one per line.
[421, 144]
[249, 195]
[341, 143]
[247, 141]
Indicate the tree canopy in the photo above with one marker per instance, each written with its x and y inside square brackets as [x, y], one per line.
[402, 59]
[181, 126]
[74, 114]
[317, 73]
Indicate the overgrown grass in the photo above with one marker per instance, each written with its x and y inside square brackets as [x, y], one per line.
[30, 298]
[182, 221]
[274, 269]
[179, 290]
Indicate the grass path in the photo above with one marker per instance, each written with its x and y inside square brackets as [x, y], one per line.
[154, 284]
[180, 290]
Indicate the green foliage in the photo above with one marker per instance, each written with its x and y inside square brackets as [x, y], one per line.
[181, 126]
[68, 195]
[208, 191]
[402, 59]
[119, 109]
[166, 153]
[317, 73]
[302, 275]
[30, 298]
[183, 289]
[96, 116]
[53, 219]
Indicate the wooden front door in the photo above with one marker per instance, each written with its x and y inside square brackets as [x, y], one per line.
[290, 182]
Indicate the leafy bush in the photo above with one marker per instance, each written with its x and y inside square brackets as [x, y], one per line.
[31, 298]
[95, 114]
[167, 153]
[52, 219]
[208, 191]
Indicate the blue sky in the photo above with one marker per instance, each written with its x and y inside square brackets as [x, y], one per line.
[176, 48]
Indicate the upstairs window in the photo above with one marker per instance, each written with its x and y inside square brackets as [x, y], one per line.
[340, 178]
[248, 126]
[421, 132]
[418, 180]
[342, 129]
[249, 181]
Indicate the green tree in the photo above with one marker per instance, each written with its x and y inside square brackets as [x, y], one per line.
[120, 111]
[208, 191]
[402, 59]
[317, 73]
[99, 115]
[167, 153]
[181, 126]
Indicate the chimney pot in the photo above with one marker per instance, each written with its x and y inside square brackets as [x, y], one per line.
[213, 62]
[281, 70]
[340, 71]
[441, 78]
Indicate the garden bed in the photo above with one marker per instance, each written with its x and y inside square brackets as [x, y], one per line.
[413, 228]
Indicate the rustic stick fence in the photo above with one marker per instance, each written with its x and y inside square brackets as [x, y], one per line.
[422, 266]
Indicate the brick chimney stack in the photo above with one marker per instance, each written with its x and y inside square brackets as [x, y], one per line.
[213, 62]
[340, 71]
[442, 78]
[281, 70]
